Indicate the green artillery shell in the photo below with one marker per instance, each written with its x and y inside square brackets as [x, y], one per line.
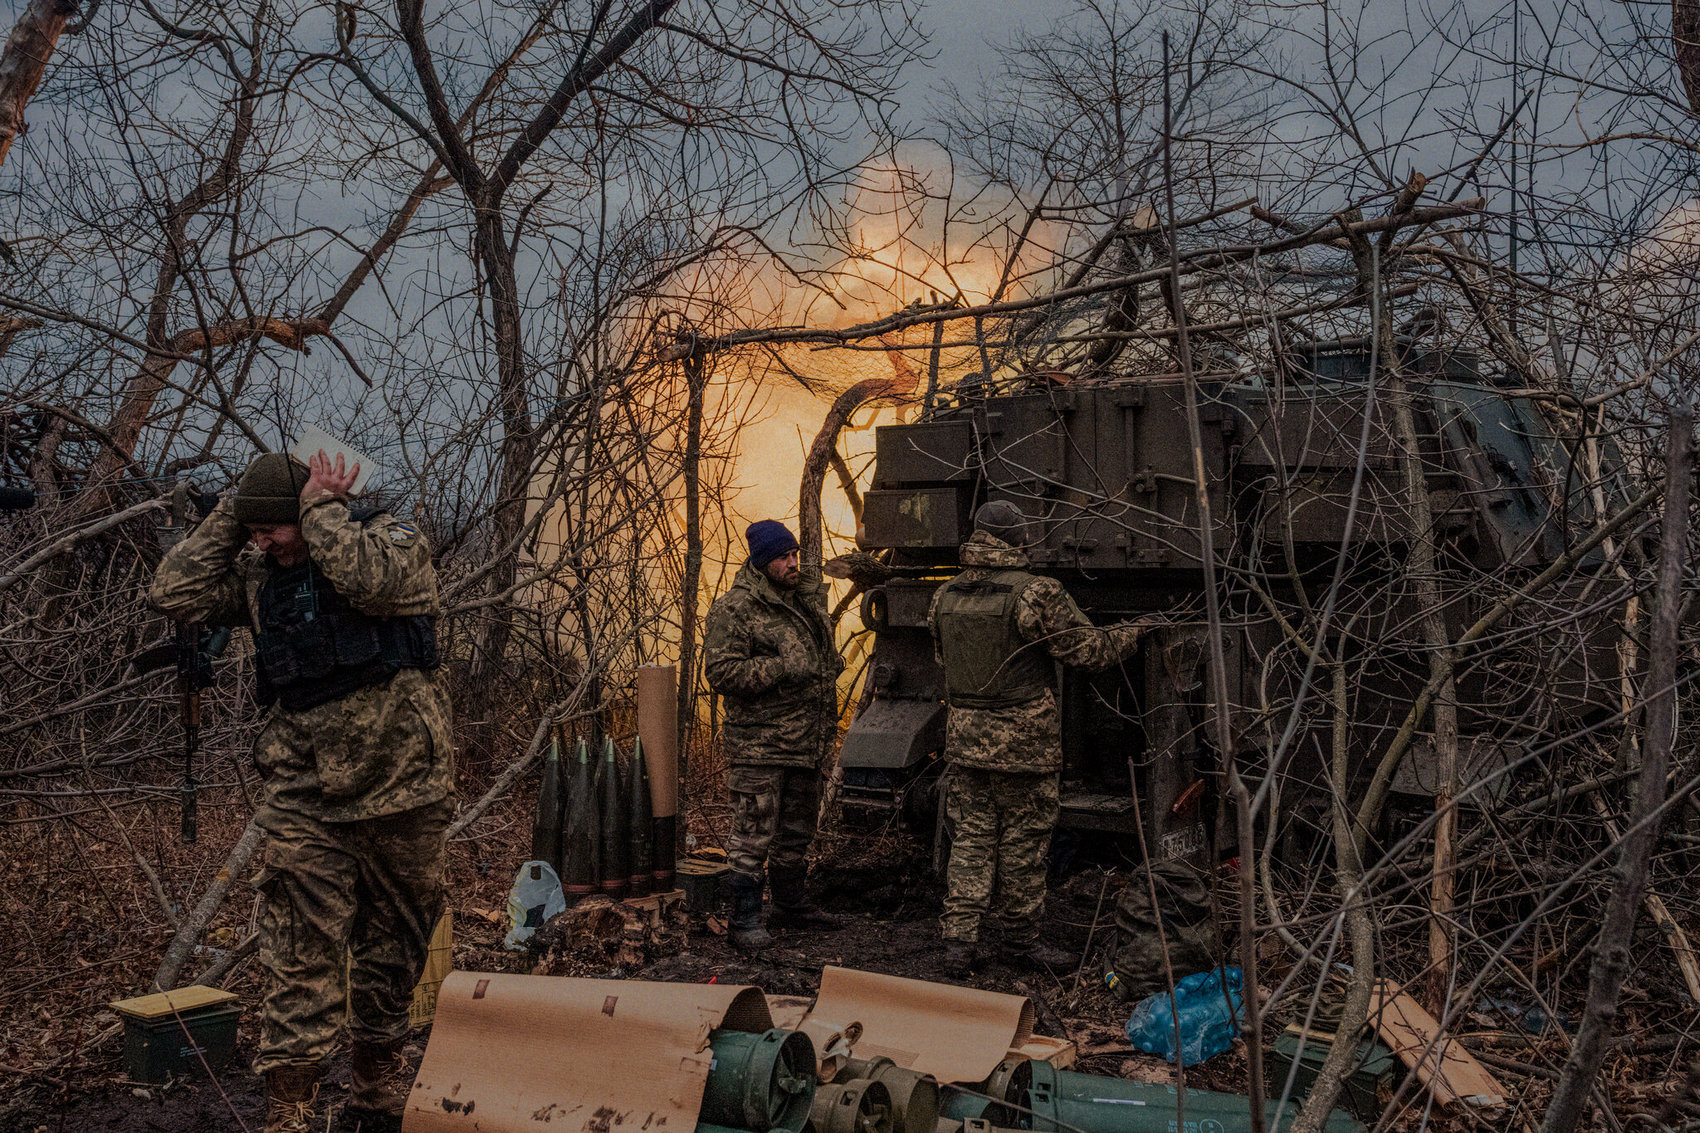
[546, 825]
[616, 842]
[581, 836]
[640, 825]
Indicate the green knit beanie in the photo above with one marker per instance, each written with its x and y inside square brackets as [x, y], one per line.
[270, 491]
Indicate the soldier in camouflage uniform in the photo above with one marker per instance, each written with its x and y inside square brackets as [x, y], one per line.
[768, 651]
[999, 632]
[357, 757]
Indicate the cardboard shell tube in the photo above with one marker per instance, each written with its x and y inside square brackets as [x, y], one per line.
[658, 727]
[955, 1034]
[510, 1053]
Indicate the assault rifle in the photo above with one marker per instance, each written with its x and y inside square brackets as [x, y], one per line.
[191, 649]
[16, 499]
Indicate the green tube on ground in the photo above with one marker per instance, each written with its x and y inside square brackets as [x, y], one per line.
[914, 1097]
[958, 1106]
[1063, 1102]
[860, 1105]
[762, 1083]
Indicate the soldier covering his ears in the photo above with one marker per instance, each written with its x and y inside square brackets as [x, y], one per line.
[357, 757]
[1000, 631]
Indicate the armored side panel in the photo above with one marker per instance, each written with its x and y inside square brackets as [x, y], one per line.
[930, 452]
[898, 736]
[922, 499]
[1108, 475]
[1107, 472]
[905, 721]
[925, 518]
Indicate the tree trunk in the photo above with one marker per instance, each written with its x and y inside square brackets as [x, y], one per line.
[692, 581]
[1422, 569]
[189, 932]
[24, 62]
[1617, 926]
[517, 451]
[1221, 726]
[810, 537]
[1360, 928]
[1685, 42]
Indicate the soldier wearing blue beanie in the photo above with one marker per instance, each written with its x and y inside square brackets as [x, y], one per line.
[768, 651]
[768, 539]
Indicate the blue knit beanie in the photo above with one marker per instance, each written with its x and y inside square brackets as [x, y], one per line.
[769, 539]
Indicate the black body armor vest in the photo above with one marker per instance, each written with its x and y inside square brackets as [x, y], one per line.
[986, 664]
[313, 647]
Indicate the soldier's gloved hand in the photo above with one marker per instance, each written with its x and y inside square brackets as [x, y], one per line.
[1128, 633]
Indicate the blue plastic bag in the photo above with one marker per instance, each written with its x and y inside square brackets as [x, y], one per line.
[1209, 1006]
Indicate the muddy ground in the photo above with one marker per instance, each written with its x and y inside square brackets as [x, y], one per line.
[891, 902]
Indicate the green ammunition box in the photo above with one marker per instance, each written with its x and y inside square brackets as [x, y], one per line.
[178, 1034]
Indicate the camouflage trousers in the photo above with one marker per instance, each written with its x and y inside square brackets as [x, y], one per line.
[774, 810]
[347, 919]
[1001, 823]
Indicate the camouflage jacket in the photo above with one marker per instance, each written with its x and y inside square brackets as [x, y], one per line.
[1026, 737]
[379, 750]
[770, 654]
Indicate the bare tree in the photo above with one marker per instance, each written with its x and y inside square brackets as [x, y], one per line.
[24, 61]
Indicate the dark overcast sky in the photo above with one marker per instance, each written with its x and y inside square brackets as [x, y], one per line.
[961, 30]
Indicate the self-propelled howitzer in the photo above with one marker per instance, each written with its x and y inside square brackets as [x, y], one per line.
[1308, 490]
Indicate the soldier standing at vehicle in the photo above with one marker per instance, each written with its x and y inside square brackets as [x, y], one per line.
[768, 650]
[357, 757]
[999, 632]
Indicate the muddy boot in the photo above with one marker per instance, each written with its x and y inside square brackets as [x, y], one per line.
[792, 908]
[290, 1093]
[377, 1093]
[745, 922]
[960, 958]
[1032, 956]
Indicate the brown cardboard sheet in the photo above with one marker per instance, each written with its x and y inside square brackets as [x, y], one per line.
[833, 1044]
[956, 1034]
[788, 1011]
[573, 1056]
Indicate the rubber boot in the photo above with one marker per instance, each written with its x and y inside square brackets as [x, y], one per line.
[290, 1094]
[791, 905]
[960, 958]
[745, 923]
[1032, 956]
[377, 1093]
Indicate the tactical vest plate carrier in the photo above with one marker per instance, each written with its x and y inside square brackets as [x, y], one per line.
[313, 647]
[986, 664]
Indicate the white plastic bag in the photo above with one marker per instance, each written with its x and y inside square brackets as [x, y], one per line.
[534, 899]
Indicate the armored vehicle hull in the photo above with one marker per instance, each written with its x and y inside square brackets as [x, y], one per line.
[1308, 494]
